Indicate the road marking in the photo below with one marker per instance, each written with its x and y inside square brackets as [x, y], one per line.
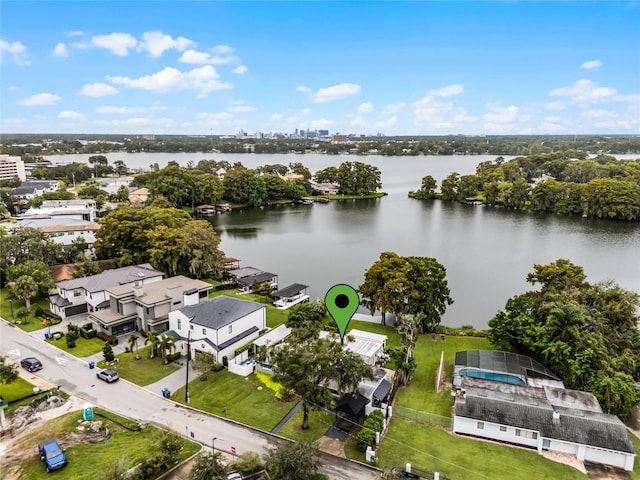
[15, 352]
[61, 361]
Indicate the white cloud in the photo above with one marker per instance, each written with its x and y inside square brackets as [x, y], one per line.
[215, 119]
[303, 89]
[365, 107]
[242, 108]
[222, 49]
[41, 99]
[75, 33]
[117, 110]
[276, 116]
[156, 43]
[97, 90]
[137, 122]
[393, 108]
[499, 119]
[17, 51]
[591, 64]
[448, 91]
[240, 70]
[293, 119]
[60, 50]
[203, 58]
[320, 123]
[14, 89]
[556, 106]
[552, 125]
[335, 92]
[305, 111]
[585, 91]
[71, 115]
[118, 43]
[359, 122]
[203, 79]
[599, 114]
[390, 122]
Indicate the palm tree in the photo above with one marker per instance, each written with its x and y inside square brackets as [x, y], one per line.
[165, 343]
[133, 343]
[152, 339]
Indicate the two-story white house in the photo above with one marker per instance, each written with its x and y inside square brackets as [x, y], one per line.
[89, 294]
[146, 307]
[218, 326]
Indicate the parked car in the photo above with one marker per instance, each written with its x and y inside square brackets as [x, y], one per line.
[32, 364]
[234, 476]
[108, 375]
[52, 455]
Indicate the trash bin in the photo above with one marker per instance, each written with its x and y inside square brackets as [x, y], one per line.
[166, 393]
[46, 336]
[91, 365]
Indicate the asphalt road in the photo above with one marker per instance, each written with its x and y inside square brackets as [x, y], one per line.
[74, 376]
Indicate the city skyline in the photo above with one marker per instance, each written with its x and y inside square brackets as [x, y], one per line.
[397, 68]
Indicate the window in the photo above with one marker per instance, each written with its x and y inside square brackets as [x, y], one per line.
[191, 327]
[179, 324]
[503, 428]
[230, 329]
[77, 293]
[526, 434]
[204, 331]
[480, 426]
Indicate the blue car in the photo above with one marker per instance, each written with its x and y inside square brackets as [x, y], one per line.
[52, 455]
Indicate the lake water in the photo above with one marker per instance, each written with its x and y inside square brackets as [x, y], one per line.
[487, 251]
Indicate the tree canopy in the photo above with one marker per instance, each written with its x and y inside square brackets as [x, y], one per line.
[407, 285]
[586, 333]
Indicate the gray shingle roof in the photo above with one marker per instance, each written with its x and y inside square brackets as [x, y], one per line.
[528, 408]
[259, 278]
[220, 311]
[111, 278]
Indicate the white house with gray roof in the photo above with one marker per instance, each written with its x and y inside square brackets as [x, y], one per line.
[218, 326]
[543, 417]
[89, 294]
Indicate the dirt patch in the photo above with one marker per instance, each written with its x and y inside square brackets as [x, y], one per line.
[331, 446]
[16, 444]
[565, 458]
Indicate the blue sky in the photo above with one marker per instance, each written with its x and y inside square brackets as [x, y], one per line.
[397, 68]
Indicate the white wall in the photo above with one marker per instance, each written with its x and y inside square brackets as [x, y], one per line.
[492, 430]
[609, 457]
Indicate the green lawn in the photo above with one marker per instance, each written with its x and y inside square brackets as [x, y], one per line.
[29, 323]
[84, 346]
[16, 390]
[456, 457]
[86, 460]
[420, 394]
[319, 423]
[244, 399]
[141, 372]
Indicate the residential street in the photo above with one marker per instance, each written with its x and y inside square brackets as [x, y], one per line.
[74, 376]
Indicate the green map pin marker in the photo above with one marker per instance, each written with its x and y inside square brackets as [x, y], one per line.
[342, 302]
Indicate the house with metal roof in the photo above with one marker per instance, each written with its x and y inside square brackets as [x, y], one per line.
[291, 295]
[218, 326]
[89, 294]
[539, 414]
[146, 307]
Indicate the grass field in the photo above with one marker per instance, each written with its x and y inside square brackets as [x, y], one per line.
[84, 346]
[28, 323]
[319, 423]
[244, 399]
[457, 457]
[635, 475]
[86, 460]
[141, 372]
[16, 390]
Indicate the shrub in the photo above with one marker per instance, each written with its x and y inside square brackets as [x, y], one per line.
[365, 438]
[375, 420]
[71, 340]
[23, 313]
[39, 311]
[172, 357]
[112, 339]
[280, 391]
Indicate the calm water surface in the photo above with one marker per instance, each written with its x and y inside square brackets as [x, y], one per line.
[487, 251]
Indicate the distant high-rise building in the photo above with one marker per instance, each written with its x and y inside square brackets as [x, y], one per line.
[12, 166]
[323, 133]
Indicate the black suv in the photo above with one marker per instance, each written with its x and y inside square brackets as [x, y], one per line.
[31, 364]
